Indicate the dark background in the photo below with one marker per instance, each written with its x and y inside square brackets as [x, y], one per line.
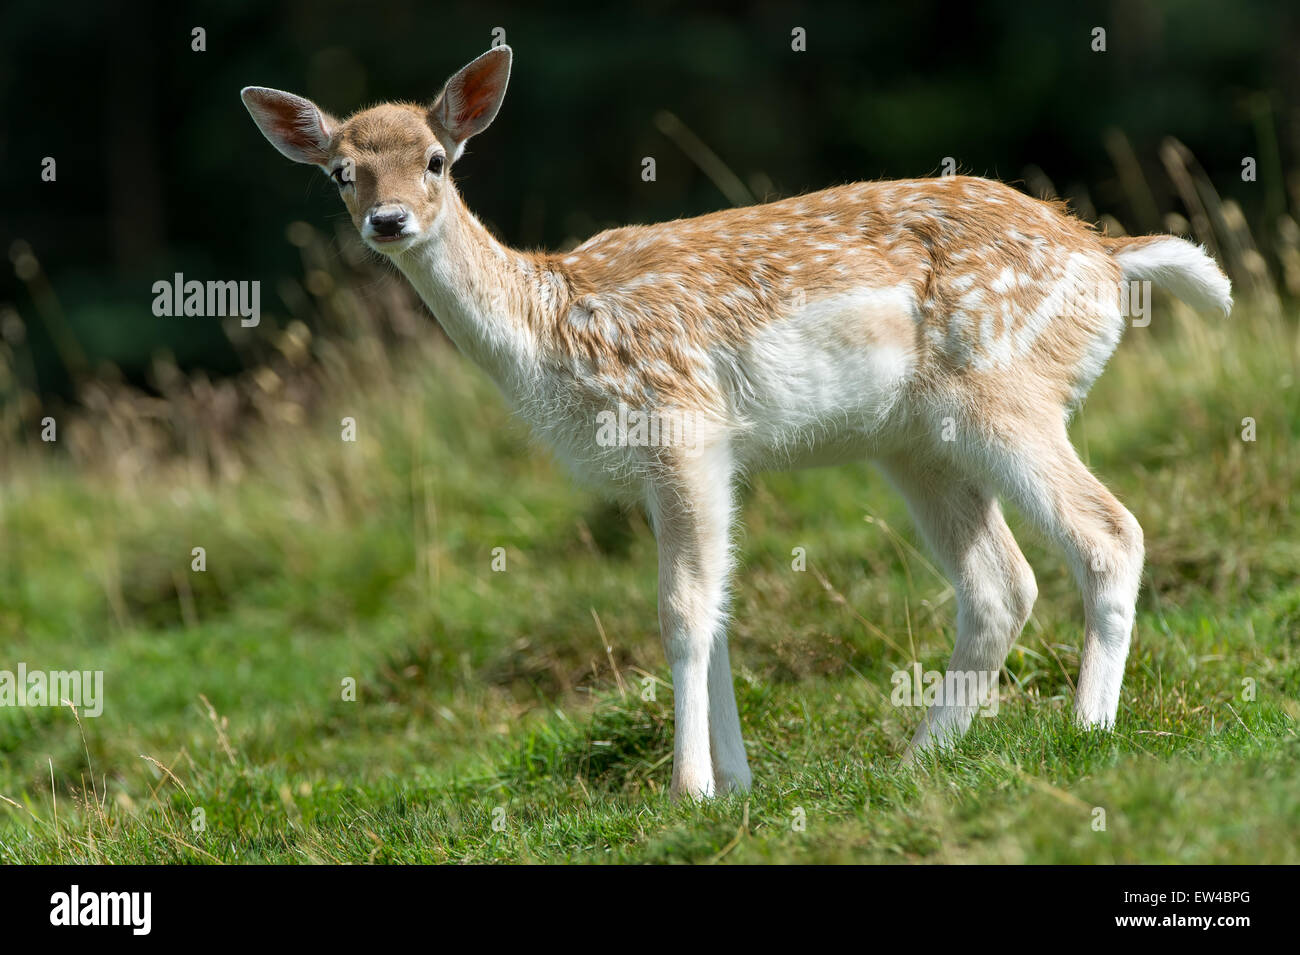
[161, 170]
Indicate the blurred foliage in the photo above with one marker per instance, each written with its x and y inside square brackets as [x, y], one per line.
[160, 169]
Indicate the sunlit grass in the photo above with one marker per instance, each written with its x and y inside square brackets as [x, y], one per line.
[489, 724]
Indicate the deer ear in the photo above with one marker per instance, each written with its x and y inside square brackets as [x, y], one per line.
[470, 100]
[294, 125]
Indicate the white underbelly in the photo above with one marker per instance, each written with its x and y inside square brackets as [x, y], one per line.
[822, 386]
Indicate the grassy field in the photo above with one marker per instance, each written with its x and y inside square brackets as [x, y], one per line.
[503, 715]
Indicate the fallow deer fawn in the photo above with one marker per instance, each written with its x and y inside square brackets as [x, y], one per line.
[943, 328]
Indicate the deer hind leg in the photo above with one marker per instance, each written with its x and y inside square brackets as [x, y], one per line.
[964, 528]
[690, 503]
[730, 764]
[1103, 544]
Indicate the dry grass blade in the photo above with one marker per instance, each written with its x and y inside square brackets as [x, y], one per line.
[609, 653]
[719, 174]
[222, 739]
[167, 772]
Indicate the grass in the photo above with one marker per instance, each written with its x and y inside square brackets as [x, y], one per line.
[492, 724]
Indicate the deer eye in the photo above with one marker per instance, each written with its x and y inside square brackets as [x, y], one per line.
[341, 176]
[435, 164]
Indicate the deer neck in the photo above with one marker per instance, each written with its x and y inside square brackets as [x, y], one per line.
[490, 299]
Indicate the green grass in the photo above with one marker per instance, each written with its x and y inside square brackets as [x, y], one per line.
[489, 725]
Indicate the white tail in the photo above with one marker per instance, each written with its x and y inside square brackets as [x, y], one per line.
[939, 327]
[1178, 266]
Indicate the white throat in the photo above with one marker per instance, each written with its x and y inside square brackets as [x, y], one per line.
[483, 294]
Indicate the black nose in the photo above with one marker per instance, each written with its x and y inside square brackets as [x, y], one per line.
[388, 222]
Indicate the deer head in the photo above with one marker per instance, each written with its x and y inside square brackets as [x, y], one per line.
[393, 162]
